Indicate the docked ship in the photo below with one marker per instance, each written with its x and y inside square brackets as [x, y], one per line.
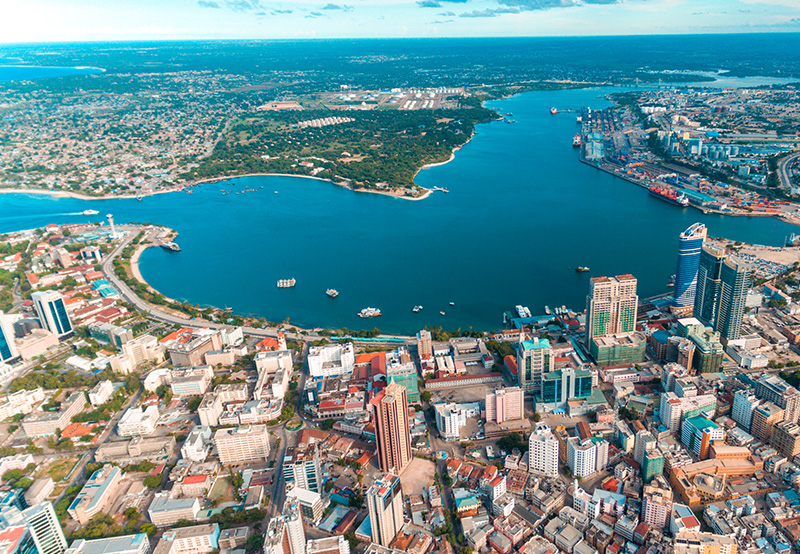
[172, 246]
[576, 141]
[369, 312]
[522, 311]
[286, 283]
[554, 110]
[669, 195]
[90, 212]
[581, 269]
[333, 293]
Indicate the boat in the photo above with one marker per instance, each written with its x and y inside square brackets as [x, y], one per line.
[579, 120]
[793, 240]
[90, 212]
[581, 269]
[139, 198]
[668, 194]
[554, 110]
[671, 281]
[333, 293]
[369, 312]
[286, 283]
[576, 141]
[452, 303]
[416, 309]
[441, 313]
[547, 310]
[522, 311]
[172, 246]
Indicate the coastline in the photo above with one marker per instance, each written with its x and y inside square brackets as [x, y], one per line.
[79, 196]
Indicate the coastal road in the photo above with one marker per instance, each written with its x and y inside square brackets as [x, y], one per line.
[783, 170]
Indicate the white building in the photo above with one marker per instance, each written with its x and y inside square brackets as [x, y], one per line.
[198, 444]
[199, 539]
[165, 510]
[543, 451]
[328, 545]
[331, 360]
[243, 444]
[451, 417]
[101, 393]
[128, 544]
[137, 352]
[138, 421]
[744, 404]
[586, 457]
[45, 529]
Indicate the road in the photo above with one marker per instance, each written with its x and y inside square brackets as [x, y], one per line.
[783, 170]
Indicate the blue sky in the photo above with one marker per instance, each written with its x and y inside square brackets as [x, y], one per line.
[75, 20]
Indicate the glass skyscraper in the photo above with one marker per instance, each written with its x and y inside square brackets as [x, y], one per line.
[722, 284]
[690, 245]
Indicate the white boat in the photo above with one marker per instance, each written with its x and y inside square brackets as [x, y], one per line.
[369, 312]
[452, 303]
[286, 283]
[441, 313]
[90, 212]
[333, 293]
[416, 309]
[171, 246]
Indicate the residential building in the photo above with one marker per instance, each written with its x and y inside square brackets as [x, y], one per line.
[543, 451]
[285, 533]
[699, 433]
[328, 545]
[310, 503]
[744, 404]
[96, 494]
[165, 510]
[198, 444]
[128, 544]
[20, 402]
[385, 506]
[451, 417]
[52, 312]
[392, 428]
[610, 311]
[773, 388]
[688, 542]
[534, 360]
[43, 424]
[101, 393]
[505, 405]
[331, 360]
[39, 491]
[765, 416]
[138, 421]
[400, 369]
[190, 381]
[786, 438]
[45, 529]
[302, 467]
[690, 244]
[643, 442]
[242, 445]
[188, 347]
[675, 409]
[582, 456]
[657, 505]
[652, 465]
[198, 539]
[136, 352]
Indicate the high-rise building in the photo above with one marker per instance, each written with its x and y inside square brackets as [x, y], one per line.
[643, 442]
[543, 451]
[582, 456]
[652, 464]
[424, 343]
[8, 349]
[534, 361]
[722, 284]
[765, 416]
[52, 311]
[385, 506]
[285, 533]
[392, 428]
[505, 404]
[45, 529]
[302, 467]
[744, 404]
[690, 245]
[699, 433]
[775, 389]
[786, 438]
[656, 505]
[242, 445]
[611, 306]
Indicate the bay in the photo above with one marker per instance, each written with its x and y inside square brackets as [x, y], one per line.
[27, 72]
[521, 214]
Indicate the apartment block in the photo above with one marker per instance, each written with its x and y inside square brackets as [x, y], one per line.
[243, 444]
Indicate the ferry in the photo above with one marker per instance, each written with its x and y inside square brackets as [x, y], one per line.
[369, 312]
[90, 212]
[286, 283]
[554, 110]
[333, 293]
[669, 195]
[581, 269]
[416, 309]
[172, 246]
[522, 311]
[576, 141]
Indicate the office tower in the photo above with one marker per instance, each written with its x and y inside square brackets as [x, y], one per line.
[505, 405]
[385, 506]
[285, 533]
[534, 361]
[709, 284]
[775, 389]
[690, 245]
[302, 467]
[392, 430]
[699, 433]
[735, 283]
[543, 451]
[8, 349]
[52, 311]
[765, 416]
[611, 306]
[45, 529]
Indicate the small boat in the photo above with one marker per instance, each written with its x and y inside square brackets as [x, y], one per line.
[579, 120]
[172, 246]
[576, 141]
[553, 110]
[286, 283]
[452, 303]
[276, 192]
[581, 269]
[441, 313]
[369, 312]
[416, 309]
[90, 212]
[547, 310]
[139, 198]
[333, 293]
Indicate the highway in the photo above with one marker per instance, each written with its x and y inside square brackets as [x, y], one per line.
[783, 170]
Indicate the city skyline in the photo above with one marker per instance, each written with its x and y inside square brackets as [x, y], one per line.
[55, 21]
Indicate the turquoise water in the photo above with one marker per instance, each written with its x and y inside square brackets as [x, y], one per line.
[24, 72]
[521, 211]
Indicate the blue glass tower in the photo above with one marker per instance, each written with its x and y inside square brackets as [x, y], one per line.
[689, 247]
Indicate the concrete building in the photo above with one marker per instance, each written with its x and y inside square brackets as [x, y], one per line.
[657, 505]
[128, 544]
[52, 312]
[688, 542]
[582, 456]
[96, 494]
[165, 510]
[392, 428]
[20, 402]
[765, 416]
[101, 393]
[534, 360]
[136, 352]
[44, 424]
[198, 539]
[198, 444]
[188, 347]
[773, 388]
[138, 421]
[328, 545]
[505, 405]
[8, 350]
[699, 434]
[690, 244]
[543, 451]
[110, 334]
[331, 360]
[310, 503]
[190, 381]
[45, 529]
[722, 284]
[242, 445]
[285, 534]
[744, 404]
[36, 343]
[674, 409]
[451, 417]
[610, 308]
[786, 438]
[39, 491]
[302, 467]
[385, 506]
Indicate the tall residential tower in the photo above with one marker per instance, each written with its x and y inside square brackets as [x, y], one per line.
[392, 428]
[385, 506]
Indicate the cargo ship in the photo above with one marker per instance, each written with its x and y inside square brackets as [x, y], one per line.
[369, 312]
[286, 283]
[576, 141]
[669, 195]
[171, 246]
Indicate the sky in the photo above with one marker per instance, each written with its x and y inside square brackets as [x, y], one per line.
[90, 20]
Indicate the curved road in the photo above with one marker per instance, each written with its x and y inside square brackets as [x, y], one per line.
[783, 170]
